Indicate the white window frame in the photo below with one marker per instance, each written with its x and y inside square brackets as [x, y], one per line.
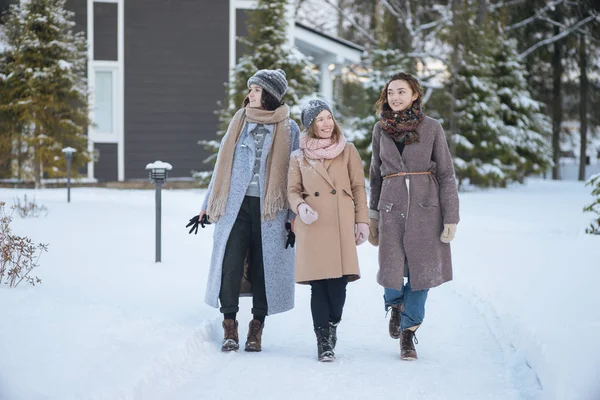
[113, 68]
[118, 69]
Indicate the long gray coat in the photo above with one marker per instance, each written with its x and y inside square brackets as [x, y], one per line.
[412, 209]
[278, 261]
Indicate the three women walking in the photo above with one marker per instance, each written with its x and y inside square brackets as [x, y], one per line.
[267, 173]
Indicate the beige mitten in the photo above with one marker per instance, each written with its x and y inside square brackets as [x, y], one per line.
[374, 231]
[448, 233]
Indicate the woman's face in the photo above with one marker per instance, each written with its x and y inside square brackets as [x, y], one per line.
[400, 96]
[324, 124]
[255, 96]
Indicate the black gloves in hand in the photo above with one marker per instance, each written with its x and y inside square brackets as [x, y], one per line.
[291, 238]
[195, 221]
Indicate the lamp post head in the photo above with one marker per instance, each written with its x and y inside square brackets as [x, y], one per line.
[68, 151]
[158, 171]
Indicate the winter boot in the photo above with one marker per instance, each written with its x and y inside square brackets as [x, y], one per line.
[255, 329]
[230, 338]
[333, 333]
[395, 321]
[324, 349]
[407, 344]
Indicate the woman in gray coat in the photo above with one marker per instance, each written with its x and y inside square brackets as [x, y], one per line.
[247, 202]
[413, 210]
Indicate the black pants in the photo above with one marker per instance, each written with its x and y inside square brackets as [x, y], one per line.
[245, 235]
[327, 300]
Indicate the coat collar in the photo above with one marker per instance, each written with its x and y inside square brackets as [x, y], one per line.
[397, 160]
[321, 169]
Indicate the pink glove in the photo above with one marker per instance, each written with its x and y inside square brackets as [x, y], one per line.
[361, 233]
[307, 214]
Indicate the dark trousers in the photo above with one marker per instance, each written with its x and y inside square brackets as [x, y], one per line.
[327, 300]
[245, 236]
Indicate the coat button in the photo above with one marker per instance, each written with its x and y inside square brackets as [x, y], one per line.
[316, 193]
[333, 191]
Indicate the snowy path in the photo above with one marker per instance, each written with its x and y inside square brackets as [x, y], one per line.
[109, 323]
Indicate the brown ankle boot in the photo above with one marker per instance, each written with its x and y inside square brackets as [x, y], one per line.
[253, 343]
[407, 345]
[394, 327]
[231, 341]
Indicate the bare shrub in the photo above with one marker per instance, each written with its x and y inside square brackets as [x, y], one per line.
[19, 256]
[28, 208]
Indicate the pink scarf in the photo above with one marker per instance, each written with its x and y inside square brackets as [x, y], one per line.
[321, 149]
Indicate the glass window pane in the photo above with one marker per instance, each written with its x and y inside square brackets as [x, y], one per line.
[104, 102]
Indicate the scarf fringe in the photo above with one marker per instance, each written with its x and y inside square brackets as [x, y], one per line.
[271, 206]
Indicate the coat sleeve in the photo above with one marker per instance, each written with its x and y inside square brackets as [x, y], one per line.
[375, 178]
[295, 131]
[445, 177]
[357, 183]
[295, 186]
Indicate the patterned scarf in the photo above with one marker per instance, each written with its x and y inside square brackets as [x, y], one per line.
[278, 162]
[402, 125]
[321, 149]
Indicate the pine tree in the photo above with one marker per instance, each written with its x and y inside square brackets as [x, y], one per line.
[43, 86]
[485, 154]
[523, 120]
[594, 207]
[266, 48]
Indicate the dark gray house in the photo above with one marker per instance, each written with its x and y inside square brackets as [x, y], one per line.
[156, 70]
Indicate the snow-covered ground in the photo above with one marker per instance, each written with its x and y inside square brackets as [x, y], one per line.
[521, 320]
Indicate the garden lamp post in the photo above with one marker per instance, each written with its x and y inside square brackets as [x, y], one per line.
[158, 175]
[69, 156]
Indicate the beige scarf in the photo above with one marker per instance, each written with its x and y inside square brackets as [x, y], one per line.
[277, 162]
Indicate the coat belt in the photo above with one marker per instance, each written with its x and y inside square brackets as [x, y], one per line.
[406, 173]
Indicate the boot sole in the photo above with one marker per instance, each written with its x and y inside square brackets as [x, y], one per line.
[229, 346]
[394, 337]
[327, 359]
[250, 350]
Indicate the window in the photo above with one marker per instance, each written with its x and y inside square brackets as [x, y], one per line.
[104, 110]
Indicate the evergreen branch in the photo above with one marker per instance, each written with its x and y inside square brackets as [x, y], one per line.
[556, 37]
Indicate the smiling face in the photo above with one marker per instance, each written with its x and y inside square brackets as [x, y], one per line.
[400, 96]
[255, 96]
[324, 124]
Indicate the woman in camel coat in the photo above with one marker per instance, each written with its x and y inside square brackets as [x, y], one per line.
[326, 188]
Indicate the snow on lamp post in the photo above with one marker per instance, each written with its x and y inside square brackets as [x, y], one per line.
[158, 175]
[69, 156]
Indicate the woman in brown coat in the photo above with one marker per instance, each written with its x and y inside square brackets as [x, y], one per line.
[326, 189]
[413, 207]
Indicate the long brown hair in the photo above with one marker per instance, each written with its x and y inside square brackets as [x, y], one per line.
[335, 135]
[382, 104]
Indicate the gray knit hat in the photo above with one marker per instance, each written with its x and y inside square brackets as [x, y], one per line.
[271, 80]
[311, 110]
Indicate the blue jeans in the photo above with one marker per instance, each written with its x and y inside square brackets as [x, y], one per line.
[414, 304]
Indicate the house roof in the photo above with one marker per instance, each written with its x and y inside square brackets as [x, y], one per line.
[324, 47]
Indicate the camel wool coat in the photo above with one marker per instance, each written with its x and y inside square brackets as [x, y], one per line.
[335, 189]
[413, 209]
